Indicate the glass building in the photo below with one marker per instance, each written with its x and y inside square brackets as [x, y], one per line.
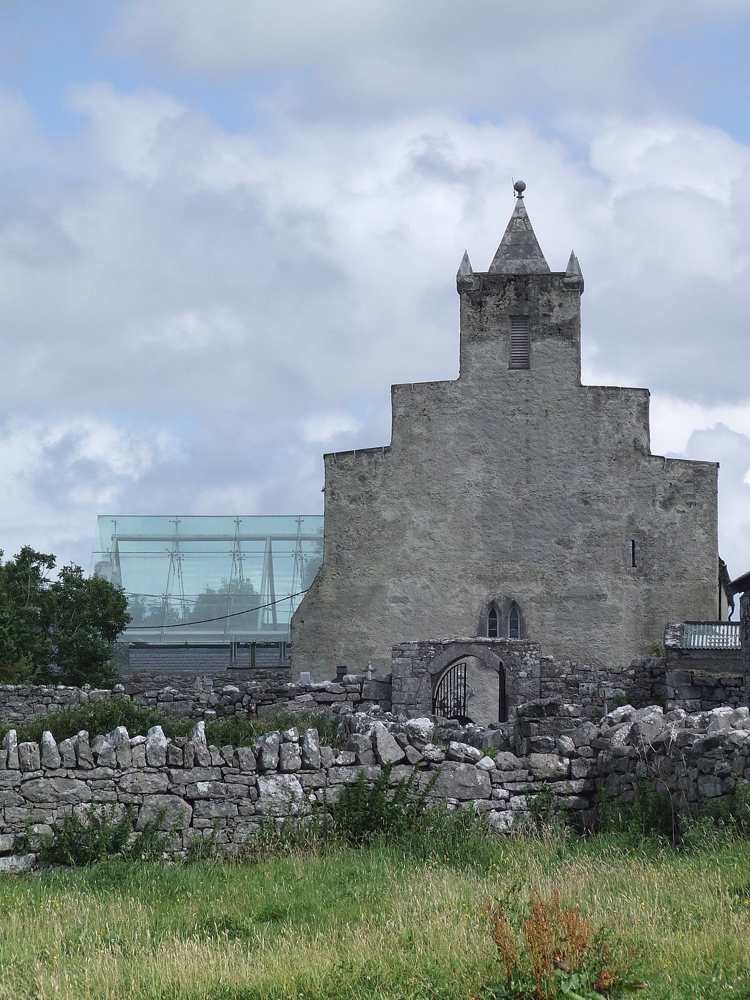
[179, 570]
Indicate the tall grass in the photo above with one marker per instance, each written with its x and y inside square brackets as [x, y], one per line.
[375, 922]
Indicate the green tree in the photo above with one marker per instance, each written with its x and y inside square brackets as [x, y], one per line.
[228, 598]
[25, 614]
[89, 614]
[60, 630]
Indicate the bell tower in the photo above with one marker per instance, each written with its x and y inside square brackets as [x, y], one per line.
[519, 320]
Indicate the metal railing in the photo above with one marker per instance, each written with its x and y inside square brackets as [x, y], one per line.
[710, 635]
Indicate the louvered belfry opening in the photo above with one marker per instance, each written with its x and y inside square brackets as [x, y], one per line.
[519, 342]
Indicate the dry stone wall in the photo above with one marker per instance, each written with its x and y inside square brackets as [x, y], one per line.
[194, 790]
[528, 675]
[202, 697]
[692, 758]
[598, 688]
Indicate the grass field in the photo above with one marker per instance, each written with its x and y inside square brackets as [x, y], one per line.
[366, 923]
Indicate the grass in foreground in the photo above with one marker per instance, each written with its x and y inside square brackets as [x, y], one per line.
[376, 922]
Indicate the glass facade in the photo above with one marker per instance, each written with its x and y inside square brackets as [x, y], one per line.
[183, 569]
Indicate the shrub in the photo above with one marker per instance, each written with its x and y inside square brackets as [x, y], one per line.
[542, 808]
[242, 731]
[290, 836]
[94, 716]
[551, 952]
[650, 813]
[402, 818]
[103, 716]
[204, 848]
[363, 811]
[99, 835]
[718, 819]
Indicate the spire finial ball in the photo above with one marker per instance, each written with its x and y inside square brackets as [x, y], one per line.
[519, 187]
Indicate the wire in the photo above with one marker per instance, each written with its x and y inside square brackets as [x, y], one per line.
[220, 618]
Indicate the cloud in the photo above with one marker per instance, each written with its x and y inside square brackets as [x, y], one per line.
[323, 427]
[245, 298]
[674, 420]
[129, 130]
[382, 54]
[192, 331]
[732, 451]
[56, 474]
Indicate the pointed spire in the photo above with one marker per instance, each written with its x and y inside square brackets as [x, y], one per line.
[573, 273]
[464, 268]
[519, 252]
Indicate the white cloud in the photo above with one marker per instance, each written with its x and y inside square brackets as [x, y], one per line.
[674, 420]
[130, 130]
[497, 56]
[732, 451]
[248, 295]
[193, 331]
[637, 155]
[57, 474]
[323, 427]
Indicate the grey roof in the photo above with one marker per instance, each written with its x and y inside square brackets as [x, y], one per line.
[519, 251]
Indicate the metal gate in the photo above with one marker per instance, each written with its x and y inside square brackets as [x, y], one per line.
[449, 699]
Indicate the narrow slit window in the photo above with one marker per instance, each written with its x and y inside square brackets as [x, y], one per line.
[493, 630]
[519, 342]
[514, 623]
[633, 554]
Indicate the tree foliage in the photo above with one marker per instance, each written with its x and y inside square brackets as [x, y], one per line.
[61, 629]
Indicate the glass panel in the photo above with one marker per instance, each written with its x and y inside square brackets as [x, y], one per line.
[184, 569]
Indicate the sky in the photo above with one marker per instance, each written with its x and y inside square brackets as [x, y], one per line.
[227, 226]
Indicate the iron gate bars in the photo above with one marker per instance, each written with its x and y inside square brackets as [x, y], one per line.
[449, 699]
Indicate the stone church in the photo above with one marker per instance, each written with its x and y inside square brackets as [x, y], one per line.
[513, 501]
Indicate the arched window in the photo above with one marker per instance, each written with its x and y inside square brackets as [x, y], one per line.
[493, 625]
[514, 622]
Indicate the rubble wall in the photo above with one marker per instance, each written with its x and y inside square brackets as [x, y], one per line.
[194, 790]
[202, 698]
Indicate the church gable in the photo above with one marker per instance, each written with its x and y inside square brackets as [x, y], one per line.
[513, 480]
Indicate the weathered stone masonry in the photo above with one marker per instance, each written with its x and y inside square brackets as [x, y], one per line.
[201, 697]
[517, 483]
[193, 789]
[526, 675]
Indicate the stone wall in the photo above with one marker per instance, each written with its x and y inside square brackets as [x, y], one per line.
[528, 675]
[194, 789]
[693, 758]
[706, 680]
[416, 665]
[745, 640]
[201, 697]
[699, 679]
[598, 689]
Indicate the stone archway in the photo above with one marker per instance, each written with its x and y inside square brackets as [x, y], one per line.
[468, 683]
[418, 666]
